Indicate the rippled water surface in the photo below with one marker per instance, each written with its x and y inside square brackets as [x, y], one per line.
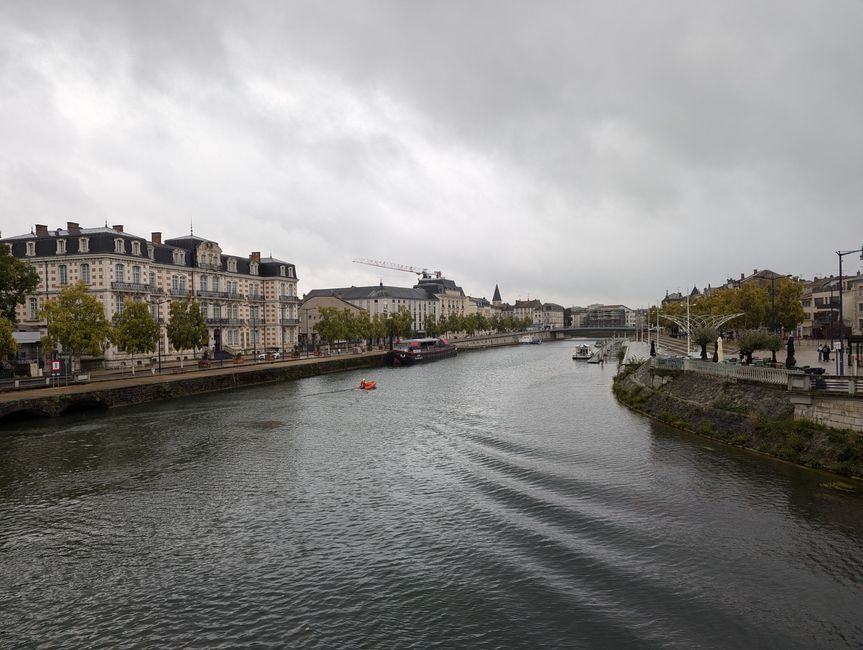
[499, 499]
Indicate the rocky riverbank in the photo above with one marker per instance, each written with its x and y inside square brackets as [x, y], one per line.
[755, 416]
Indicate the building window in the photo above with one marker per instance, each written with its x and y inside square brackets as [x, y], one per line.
[183, 283]
[150, 251]
[61, 272]
[85, 273]
[153, 279]
[83, 244]
[175, 283]
[136, 274]
[282, 270]
[61, 247]
[202, 283]
[119, 245]
[290, 271]
[119, 303]
[31, 248]
[253, 268]
[179, 257]
[136, 248]
[215, 283]
[120, 273]
[33, 308]
[232, 264]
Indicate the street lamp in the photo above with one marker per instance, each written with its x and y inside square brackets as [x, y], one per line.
[842, 254]
[158, 304]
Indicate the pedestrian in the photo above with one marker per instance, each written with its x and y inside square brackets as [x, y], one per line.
[826, 352]
[820, 353]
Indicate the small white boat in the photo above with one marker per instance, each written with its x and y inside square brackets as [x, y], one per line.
[530, 340]
[583, 352]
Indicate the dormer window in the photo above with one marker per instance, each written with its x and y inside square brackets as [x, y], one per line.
[119, 245]
[150, 251]
[61, 247]
[290, 271]
[136, 248]
[282, 270]
[83, 244]
[31, 248]
[232, 265]
[253, 268]
[179, 257]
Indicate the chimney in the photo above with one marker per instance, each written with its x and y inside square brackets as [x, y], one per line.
[754, 271]
[73, 228]
[41, 230]
[255, 257]
[118, 227]
[156, 237]
[742, 276]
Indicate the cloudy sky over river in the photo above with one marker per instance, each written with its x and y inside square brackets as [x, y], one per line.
[576, 152]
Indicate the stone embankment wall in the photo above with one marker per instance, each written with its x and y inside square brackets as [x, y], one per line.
[751, 415]
[53, 402]
[836, 412]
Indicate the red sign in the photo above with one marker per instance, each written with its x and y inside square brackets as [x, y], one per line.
[55, 366]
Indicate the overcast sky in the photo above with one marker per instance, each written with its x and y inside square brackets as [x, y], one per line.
[573, 151]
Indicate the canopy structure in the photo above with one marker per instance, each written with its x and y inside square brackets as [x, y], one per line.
[695, 321]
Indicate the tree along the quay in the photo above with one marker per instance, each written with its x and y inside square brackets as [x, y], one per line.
[187, 329]
[135, 330]
[76, 323]
[18, 279]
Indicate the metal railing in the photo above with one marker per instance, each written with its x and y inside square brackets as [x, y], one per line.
[795, 380]
[135, 287]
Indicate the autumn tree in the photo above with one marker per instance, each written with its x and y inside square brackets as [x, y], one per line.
[135, 330]
[7, 341]
[18, 278]
[76, 322]
[187, 329]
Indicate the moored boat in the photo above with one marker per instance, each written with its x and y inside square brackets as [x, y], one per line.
[530, 340]
[411, 351]
[582, 352]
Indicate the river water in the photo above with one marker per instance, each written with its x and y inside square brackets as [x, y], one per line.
[502, 499]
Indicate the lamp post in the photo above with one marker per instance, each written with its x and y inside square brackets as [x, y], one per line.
[842, 254]
[158, 304]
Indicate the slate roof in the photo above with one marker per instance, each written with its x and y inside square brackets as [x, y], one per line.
[101, 241]
[371, 293]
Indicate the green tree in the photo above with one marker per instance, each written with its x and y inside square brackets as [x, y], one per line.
[430, 325]
[789, 309]
[333, 325]
[7, 341]
[135, 330]
[400, 324]
[187, 329]
[77, 323]
[702, 336]
[379, 328]
[751, 340]
[17, 279]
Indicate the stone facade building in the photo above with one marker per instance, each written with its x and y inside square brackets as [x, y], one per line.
[248, 302]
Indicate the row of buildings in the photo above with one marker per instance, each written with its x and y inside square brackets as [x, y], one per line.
[826, 303]
[250, 303]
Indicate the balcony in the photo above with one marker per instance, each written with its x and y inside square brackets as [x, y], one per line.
[255, 297]
[289, 299]
[225, 322]
[135, 287]
[291, 321]
[182, 293]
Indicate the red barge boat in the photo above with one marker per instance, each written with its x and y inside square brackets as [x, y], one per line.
[410, 351]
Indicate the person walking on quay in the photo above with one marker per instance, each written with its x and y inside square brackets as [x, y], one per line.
[826, 352]
[820, 353]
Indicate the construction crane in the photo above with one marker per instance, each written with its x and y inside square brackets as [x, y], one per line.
[423, 273]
